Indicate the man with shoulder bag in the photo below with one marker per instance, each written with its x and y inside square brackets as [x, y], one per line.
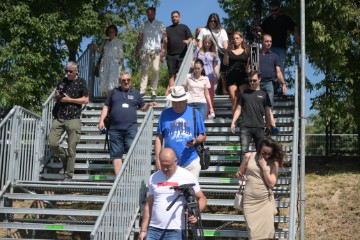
[70, 94]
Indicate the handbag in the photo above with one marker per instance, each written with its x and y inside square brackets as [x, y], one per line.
[239, 200]
[204, 153]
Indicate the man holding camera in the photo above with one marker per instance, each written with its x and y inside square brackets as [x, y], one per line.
[70, 94]
[122, 102]
[158, 221]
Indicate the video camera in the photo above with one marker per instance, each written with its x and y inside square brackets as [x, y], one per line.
[62, 90]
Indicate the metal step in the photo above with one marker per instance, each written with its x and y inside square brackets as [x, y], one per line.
[227, 180]
[47, 227]
[238, 233]
[56, 197]
[50, 211]
[230, 203]
[236, 218]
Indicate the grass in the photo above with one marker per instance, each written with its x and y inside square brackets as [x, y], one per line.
[332, 209]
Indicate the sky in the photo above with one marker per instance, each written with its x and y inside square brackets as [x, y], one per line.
[194, 13]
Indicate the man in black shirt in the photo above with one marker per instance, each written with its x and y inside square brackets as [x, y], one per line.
[178, 36]
[70, 94]
[253, 104]
[277, 25]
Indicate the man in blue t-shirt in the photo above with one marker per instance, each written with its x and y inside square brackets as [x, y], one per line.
[270, 68]
[122, 102]
[176, 131]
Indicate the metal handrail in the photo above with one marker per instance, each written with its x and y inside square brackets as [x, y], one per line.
[295, 161]
[120, 209]
[20, 138]
[184, 68]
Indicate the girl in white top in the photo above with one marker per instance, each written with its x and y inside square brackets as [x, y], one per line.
[197, 84]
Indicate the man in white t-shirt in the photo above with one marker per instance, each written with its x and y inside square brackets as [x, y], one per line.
[150, 48]
[157, 222]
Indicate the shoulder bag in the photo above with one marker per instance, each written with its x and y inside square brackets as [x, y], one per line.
[107, 120]
[239, 200]
[204, 153]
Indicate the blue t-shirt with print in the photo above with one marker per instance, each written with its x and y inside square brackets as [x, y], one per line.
[178, 128]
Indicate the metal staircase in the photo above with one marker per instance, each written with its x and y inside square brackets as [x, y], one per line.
[98, 205]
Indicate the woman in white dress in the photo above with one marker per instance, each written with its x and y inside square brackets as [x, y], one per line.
[112, 60]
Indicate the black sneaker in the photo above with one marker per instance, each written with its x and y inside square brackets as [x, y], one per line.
[153, 97]
[142, 95]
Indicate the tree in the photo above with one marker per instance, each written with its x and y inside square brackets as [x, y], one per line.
[332, 47]
[36, 37]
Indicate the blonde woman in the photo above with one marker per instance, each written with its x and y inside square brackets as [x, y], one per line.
[207, 53]
[237, 60]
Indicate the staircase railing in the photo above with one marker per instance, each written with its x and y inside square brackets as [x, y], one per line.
[184, 68]
[295, 159]
[120, 210]
[20, 138]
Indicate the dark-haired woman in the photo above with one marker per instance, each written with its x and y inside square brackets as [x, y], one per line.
[260, 170]
[112, 60]
[220, 37]
[198, 84]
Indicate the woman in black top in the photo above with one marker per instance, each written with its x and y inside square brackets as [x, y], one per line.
[237, 59]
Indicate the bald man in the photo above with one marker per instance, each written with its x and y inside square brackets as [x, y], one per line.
[157, 223]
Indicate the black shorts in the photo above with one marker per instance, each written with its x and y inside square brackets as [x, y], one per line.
[174, 62]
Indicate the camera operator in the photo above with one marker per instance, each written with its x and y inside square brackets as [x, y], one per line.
[70, 94]
[157, 222]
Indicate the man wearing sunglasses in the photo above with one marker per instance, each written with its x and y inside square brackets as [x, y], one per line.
[253, 104]
[70, 94]
[122, 104]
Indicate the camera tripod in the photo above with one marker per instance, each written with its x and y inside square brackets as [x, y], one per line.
[193, 231]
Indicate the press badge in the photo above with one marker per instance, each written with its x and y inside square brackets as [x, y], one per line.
[125, 105]
[130, 97]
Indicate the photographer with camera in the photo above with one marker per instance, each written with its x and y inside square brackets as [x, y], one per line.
[70, 94]
[157, 221]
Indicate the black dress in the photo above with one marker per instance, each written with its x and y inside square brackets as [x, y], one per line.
[236, 72]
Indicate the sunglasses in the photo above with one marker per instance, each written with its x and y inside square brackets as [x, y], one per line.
[213, 21]
[266, 153]
[69, 71]
[253, 81]
[274, 10]
[126, 80]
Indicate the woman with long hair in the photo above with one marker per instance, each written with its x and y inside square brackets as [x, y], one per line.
[207, 53]
[197, 85]
[237, 61]
[220, 37]
[112, 60]
[260, 170]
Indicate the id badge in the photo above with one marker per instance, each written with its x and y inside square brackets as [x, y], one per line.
[125, 105]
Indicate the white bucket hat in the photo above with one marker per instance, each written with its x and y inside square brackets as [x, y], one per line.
[178, 94]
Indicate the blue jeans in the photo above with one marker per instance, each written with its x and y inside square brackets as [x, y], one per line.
[201, 107]
[268, 87]
[281, 52]
[168, 234]
[120, 141]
